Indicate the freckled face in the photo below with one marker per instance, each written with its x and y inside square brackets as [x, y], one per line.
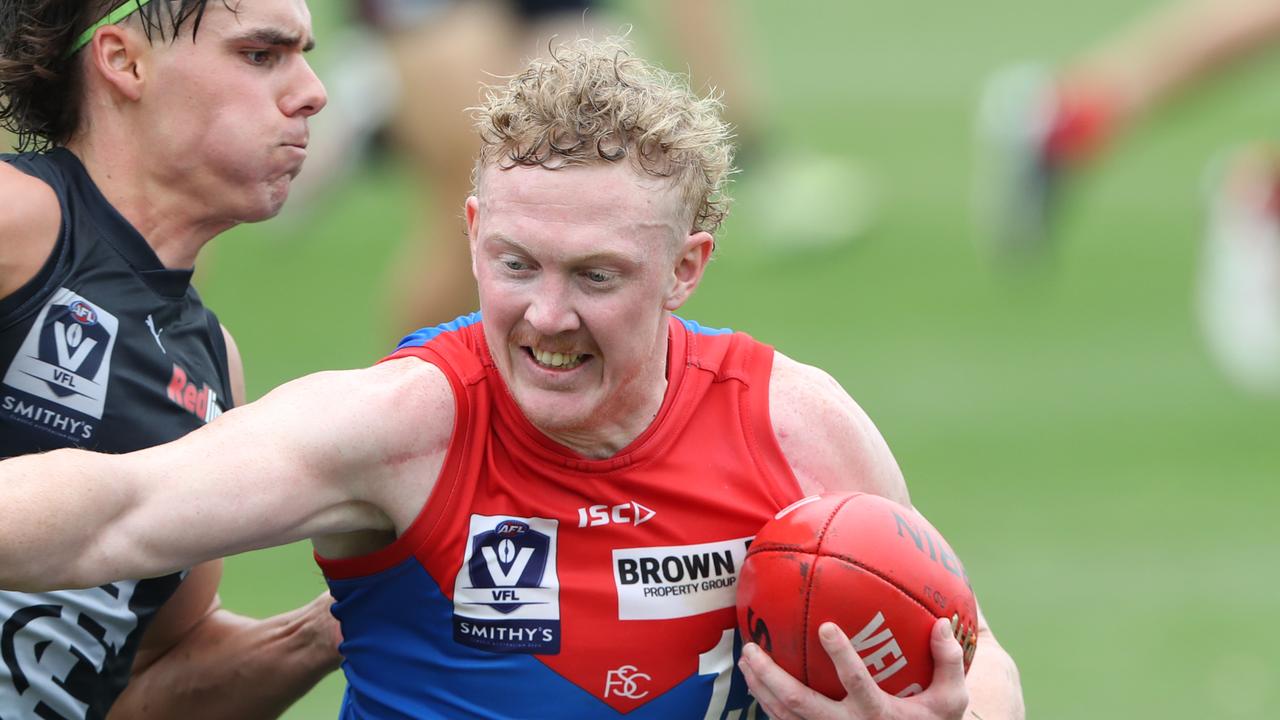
[576, 273]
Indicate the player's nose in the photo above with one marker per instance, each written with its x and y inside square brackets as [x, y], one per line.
[551, 311]
[307, 94]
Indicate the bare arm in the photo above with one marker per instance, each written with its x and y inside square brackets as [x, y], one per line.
[29, 226]
[329, 453]
[995, 686]
[828, 440]
[199, 661]
[833, 446]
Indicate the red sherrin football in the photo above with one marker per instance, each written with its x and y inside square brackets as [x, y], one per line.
[878, 570]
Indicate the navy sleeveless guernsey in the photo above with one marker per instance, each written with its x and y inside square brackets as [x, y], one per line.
[105, 349]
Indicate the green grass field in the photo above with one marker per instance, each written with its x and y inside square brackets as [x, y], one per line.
[1111, 494]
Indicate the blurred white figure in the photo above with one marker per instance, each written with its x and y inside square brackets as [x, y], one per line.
[1239, 292]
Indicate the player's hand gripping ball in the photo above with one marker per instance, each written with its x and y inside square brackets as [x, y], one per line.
[878, 570]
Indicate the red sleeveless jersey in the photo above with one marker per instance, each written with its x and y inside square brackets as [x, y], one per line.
[539, 583]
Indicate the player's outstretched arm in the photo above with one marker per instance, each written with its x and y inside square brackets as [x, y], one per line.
[833, 446]
[317, 456]
[200, 662]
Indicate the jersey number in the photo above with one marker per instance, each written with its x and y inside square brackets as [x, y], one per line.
[718, 661]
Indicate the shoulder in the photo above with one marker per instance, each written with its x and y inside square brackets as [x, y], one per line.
[399, 420]
[377, 400]
[830, 443]
[394, 411]
[13, 179]
[415, 389]
[459, 341]
[29, 225]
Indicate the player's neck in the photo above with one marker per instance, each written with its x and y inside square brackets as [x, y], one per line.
[607, 439]
[163, 216]
[626, 418]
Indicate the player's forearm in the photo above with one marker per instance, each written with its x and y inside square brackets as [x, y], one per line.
[230, 666]
[995, 688]
[52, 506]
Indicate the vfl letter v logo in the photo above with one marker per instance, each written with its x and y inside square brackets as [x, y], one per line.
[67, 360]
[508, 578]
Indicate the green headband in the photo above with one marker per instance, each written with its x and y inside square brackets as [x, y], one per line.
[112, 18]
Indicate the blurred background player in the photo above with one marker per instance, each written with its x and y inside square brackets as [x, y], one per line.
[411, 82]
[796, 196]
[1039, 127]
[142, 149]
[440, 52]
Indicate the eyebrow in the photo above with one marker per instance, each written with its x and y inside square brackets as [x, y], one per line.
[605, 257]
[275, 38]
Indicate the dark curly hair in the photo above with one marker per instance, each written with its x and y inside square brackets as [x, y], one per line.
[40, 85]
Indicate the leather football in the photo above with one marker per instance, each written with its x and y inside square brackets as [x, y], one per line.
[879, 570]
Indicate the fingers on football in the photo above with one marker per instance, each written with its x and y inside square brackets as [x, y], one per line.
[763, 695]
[948, 689]
[782, 696]
[865, 696]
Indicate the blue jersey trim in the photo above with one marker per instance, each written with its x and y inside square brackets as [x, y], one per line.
[697, 329]
[402, 663]
[418, 338]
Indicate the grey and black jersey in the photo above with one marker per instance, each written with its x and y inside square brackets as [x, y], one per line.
[108, 350]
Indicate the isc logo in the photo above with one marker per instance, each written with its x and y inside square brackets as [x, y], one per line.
[632, 513]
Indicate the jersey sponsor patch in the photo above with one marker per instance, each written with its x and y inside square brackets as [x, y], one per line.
[660, 583]
[62, 367]
[199, 401]
[507, 595]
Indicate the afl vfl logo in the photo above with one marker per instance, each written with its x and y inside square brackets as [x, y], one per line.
[509, 558]
[82, 313]
[511, 529]
[506, 597]
[58, 378]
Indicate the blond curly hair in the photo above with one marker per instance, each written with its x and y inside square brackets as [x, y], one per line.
[594, 101]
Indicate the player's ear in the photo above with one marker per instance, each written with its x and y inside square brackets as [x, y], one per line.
[472, 212]
[116, 54]
[690, 262]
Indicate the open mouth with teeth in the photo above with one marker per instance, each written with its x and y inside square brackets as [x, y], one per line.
[555, 360]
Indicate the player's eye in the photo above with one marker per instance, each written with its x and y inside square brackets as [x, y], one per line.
[259, 57]
[598, 277]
